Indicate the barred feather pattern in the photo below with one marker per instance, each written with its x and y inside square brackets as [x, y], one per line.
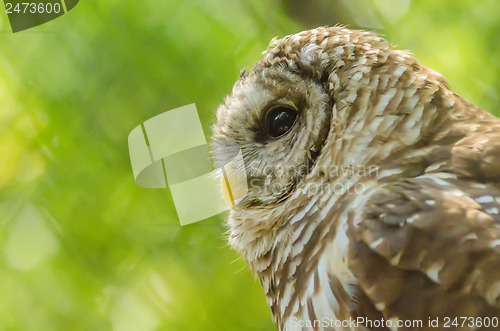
[420, 240]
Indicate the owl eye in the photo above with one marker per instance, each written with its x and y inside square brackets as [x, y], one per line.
[279, 120]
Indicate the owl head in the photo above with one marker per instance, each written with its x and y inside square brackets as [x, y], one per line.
[320, 101]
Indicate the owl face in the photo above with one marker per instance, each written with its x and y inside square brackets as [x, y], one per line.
[281, 113]
[279, 118]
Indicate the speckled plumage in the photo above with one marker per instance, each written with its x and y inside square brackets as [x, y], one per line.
[385, 194]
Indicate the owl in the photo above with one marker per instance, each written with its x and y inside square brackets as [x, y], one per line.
[373, 189]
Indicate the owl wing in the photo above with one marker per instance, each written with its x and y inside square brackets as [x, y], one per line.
[429, 247]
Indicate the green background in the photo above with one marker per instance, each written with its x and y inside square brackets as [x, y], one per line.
[82, 247]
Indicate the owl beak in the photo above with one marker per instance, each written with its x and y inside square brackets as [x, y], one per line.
[234, 181]
[226, 191]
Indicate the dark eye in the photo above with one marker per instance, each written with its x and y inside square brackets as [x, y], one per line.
[279, 120]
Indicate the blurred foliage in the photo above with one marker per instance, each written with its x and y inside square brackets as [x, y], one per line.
[84, 248]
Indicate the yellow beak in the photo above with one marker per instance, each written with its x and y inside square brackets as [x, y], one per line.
[227, 194]
[234, 184]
